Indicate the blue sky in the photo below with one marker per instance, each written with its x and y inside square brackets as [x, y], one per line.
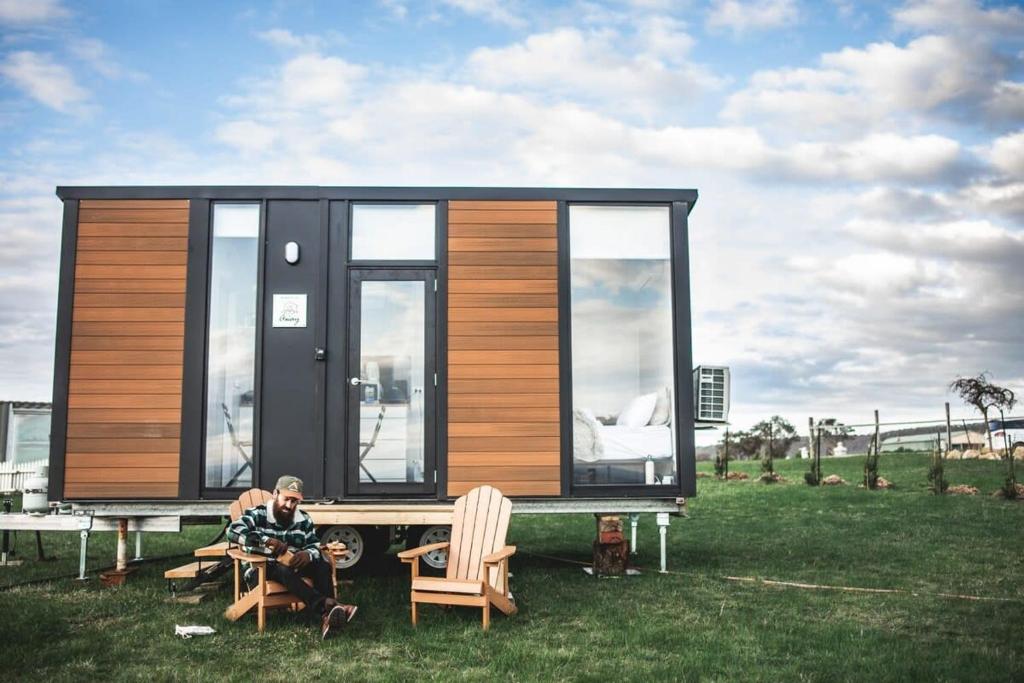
[860, 233]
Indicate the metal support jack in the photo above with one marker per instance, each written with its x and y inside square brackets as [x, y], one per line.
[138, 547]
[84, 525]
[634, 519]
[663, 521]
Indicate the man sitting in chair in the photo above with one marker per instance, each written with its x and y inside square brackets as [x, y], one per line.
[278, 526]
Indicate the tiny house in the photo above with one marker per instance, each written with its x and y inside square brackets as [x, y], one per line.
[383, 344]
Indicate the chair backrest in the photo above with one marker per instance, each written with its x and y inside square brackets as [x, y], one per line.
[249, 499]
[479, 525]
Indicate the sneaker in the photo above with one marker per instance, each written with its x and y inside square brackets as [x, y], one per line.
[333, 618]
[350, 611]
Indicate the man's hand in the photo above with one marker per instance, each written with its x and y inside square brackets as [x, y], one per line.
[276, 546]
[301, 559]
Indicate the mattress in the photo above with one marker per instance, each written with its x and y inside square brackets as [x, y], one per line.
[635, 443]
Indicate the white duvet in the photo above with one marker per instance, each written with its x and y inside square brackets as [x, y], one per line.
[595, 442]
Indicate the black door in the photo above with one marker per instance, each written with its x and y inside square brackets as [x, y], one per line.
[291, 385]
[391, 381]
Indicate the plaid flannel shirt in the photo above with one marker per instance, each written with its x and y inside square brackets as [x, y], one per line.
[256, 525]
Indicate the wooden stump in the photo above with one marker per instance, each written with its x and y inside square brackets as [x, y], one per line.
[611, 549]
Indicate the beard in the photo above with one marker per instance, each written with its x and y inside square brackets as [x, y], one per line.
[284, 517]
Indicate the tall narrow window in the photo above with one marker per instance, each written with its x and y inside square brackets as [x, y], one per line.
[28, 435]
[622, 360]
[231, 346]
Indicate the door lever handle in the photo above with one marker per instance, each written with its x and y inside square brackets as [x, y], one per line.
[319, 353]
[356, 381]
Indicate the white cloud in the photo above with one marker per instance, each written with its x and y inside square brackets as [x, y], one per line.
[306, 81]
[641, 72]
[246, 136]
[285, 39]
[497, 11]
[877, 156]
[99, 56]
[44, 80]
[31, 11]
[938, 75]
[962, 16]
[1007, 101]
[1007, 154]
[741, 17]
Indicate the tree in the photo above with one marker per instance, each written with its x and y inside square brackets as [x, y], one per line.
[774, 436]
[832, 432]
[983, 395]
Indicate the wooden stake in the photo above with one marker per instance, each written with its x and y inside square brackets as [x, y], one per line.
[949, 432]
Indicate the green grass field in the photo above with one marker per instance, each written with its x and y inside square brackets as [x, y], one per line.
[692, 624]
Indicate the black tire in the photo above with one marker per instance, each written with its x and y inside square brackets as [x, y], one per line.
[366, 544]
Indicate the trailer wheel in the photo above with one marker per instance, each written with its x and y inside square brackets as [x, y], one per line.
[353, 538]
[425, 535]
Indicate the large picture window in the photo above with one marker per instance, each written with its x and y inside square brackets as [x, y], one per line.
[231, 346]
[622, 345]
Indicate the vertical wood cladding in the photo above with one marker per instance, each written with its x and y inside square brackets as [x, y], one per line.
[503, 413]
[127, 336]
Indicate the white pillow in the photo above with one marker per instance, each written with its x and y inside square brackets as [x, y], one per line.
[638, 412]
[662, 409]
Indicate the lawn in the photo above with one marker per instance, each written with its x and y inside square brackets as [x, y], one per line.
[692, 624]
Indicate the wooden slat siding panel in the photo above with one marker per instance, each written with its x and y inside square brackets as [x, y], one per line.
[94, 460]
[99, 328]
[145, 416]
[126, 357]
[502, 244]
[503, 404]
[502, 258]
[504, 472]
[505, 286]
[511, 386]
[535, 314]
[124, 386]
[124, 395]
[518, 459]
[86, 286]
[123, 401]
[503, 414]
[126, 299]
[140, 230]
[128, 343]
[501, 429]
[134, 271]
[132, 258]
[548, 328]
[122, 431]
[503, 401]
[133, 204]
[510, 488]
[502, 371]
[172, 215]
[492, 216]
[118, 490]
[499, 300]
[460, 230]
[141, 445]
[503, 272]
[100, 474]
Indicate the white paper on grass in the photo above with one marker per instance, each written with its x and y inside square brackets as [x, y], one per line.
[189, 631]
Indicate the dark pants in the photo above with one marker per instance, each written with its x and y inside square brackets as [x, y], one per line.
[314, 596]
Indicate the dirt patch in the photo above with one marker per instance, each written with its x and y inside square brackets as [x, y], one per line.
[1020, 493]
[703, 475]
[970, 454]
[833, 480]
[774, 478]
[738, 475]
[1018, 453]
[963, 490]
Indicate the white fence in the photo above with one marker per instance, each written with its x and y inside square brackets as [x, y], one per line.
[13, 475]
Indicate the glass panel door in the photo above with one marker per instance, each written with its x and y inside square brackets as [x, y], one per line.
[391, 381]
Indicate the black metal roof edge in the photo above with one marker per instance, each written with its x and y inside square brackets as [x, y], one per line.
[581, 194]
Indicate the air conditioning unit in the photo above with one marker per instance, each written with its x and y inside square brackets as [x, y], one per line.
[711, 393]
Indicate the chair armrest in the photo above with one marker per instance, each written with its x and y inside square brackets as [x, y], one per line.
[413, 553]
[239, 554]
[503, 554]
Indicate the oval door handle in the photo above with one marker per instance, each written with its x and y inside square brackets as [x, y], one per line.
[356, 381]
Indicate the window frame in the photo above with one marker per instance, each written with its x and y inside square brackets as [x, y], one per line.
[684, 482]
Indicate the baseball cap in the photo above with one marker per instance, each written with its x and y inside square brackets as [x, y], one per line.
[289, 486]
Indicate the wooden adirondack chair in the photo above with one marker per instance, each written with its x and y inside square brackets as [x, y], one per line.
[477, 573]
[266, 594]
